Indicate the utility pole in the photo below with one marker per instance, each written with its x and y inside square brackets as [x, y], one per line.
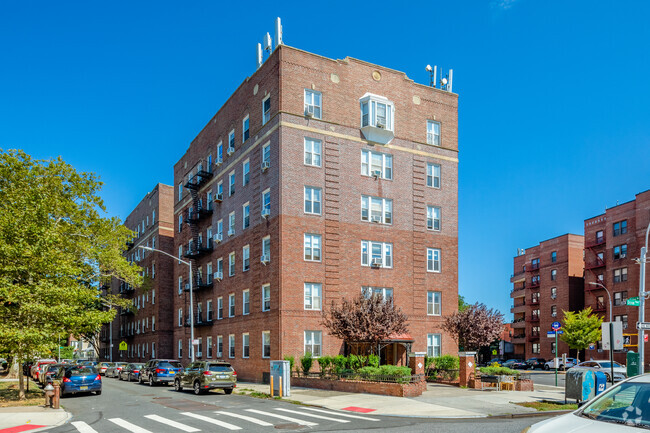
[642, 293]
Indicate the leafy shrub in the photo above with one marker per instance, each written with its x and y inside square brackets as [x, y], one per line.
[428, 362]
[291, 360]
[369, 371]
[394, 370]
[498, 371]
[446, 362]
[306, 361]
[340, 363]
[355, 362]
[373, 360]
[325, 363]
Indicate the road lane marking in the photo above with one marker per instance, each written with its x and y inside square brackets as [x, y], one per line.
[245, 418]
[347, 415]
[172, 423]
[311, 415]
[286, 418]
[212, 420]
[82, 427]
[127, 425]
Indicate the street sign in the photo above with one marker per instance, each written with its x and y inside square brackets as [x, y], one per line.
[633, 301]
[494, 352]
[592, 346]
[195, 342]
[617, 337]
[556, 325]
[123, 345]
[551, 334]
[644, 325]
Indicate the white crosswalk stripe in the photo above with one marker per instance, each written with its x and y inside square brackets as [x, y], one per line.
[312, 415]
[127, 425]
[245, 418]
[212, 421]
[172, 423]
[347, 415]
[82, 427]
[286, 418]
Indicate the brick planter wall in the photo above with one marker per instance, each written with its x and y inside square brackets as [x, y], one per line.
[524, 385]
[382, 388]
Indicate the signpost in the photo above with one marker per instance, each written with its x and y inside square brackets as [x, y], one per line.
[556, 328]
[633, 301]
[123, 346]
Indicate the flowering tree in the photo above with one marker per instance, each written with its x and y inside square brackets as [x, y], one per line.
[474, 327]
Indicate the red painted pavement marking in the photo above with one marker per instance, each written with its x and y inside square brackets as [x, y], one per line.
[351, 409]
[21, 428]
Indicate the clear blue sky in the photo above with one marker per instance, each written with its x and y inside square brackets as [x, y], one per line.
[554, 97]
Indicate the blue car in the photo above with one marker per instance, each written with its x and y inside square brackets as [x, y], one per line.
[80, 378]
[160, 371]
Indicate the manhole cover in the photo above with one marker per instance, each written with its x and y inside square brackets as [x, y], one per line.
[287, 426]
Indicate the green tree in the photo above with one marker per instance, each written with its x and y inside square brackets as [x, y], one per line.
[581, 329]
[56, 249]
[462, 305]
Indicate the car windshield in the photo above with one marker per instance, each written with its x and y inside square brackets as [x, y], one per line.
[220, 368]
[626, 404]
[606, 364]
[81, 370]
[170, 364]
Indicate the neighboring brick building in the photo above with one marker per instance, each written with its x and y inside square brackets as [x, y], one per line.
[147, 327]
[612, 241]
[547, 280]
[316, 179]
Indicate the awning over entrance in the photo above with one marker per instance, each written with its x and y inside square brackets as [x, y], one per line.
[399, 338]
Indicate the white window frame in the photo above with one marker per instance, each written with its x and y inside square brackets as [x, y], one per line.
[245, 345]
[313, 296]
[180, 191]
[368, 164]
[367, 255]
[232, 182]
[266, 152]
[432, 346]
[434, 299]
[266, 115]
[231, 346]
[231, 264]
[208, 347]
[308, 246]
[246, 302]
[232, 305]
[180, 285]
[245, 128]
[219, 159]
[180, 349]
[219, 346]
[231, 140]
[385, 212]
[313, 152]
[310, 97]
[314, 196]
[246, 215]
[231, 223]
[433, 133]
[385, 292]
[246, 257]
[246, 172]
[266, 200]
[312, 340]
[431, 175]
[220, 308]
[180, 317]
[266, 290]
[266, 246]
[372, 103]
[266, 342]
[433, 220]
[434, 259]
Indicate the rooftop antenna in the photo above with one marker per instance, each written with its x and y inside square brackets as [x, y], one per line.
[432, 75]
[451, 78]
[278, 32]
[268, 45]
[259, 55]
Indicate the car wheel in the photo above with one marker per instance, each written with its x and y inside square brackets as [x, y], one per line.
[98, 392]
[140, 380]
[546, 367]
[607, 377]
[177, 385]
[228, 390]
[151, 382]
[561, 368]
[197, 388]
[128, 378]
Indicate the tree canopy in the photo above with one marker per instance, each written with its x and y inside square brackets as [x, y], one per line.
[475, 326]
[581, 328]
[56, 249]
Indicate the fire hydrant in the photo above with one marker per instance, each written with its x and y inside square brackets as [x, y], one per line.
[49, 393]
[57, 396]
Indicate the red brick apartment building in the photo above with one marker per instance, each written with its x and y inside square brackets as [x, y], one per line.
[612, 241]
[547, 280]
[147, 326]
[315, 180]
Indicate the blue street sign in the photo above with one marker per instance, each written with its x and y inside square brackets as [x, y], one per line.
[556, 325]
[553, 333]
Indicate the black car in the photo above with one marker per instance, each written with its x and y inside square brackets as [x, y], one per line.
[534, 363]
[160, 371]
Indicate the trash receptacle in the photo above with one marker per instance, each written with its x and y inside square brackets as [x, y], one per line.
[632, 364]
[580, 384]
[601, 382]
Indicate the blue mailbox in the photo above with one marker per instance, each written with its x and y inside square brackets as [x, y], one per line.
[601, 382]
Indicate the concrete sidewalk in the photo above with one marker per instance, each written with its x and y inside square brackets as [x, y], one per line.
[438, 401]
[31, 418]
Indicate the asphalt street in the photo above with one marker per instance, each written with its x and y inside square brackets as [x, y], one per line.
[130, 407]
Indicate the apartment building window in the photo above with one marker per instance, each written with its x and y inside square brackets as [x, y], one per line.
[553, 274]
[219, 346]
[180, 349]
[623, 319]
[433, 175]
[153, 350]
[376, 164]
[266, 297]
[554, 257]
[266, 344]
[219, 196]
[246, 170]
[266, 202]
[246, 215]
[312, 104]
[553, 292]
[219, 308]
[376, 209]
[620, 251]
[266, 109]
[433, 132]
[231, 305]
[534, 264]
[245, 345]
[433, 218]
[312, 152]
[620, 275]
[536, 348]
[433, 303]
[266, 153]
[620, 228]
[433, 260]
[553, 310]
[245, 126]
[384, 292]
[219, 268]
[180, 317]
[534, 298]
[219, 153]
[600, 258]
[231, 264]
[231, 180]
[208, 347]
[231, 224]
[312, 200]
[313, 296]
[313, 342]
[180, 191]
[153, 296]
[376, 254]
[231, 142]
[199, 349]
[312, 245]
[246, 302]
[433, 345]
[231, 346]
[208, 272]
[180, 223]
[620, 298]
[246, 258]
[376, 111]
[209, 312]
[180, 285]
[266, 248]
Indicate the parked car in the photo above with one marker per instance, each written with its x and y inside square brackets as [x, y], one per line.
[534, 363]
[570, 362]
[115, 369]
[620, 371]
[37, 368]
[87, 362]
[49, 372]
[27, 368]
[79, 378]
[103, 366]
[202, 376]
[515, 363]
[131, 372]
[160, 371]
[623, 408]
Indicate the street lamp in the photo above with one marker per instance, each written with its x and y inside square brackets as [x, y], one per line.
[611, 331]
[191, 295]
[642, 293]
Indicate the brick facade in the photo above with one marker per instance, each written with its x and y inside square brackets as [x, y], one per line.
[284, 77]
